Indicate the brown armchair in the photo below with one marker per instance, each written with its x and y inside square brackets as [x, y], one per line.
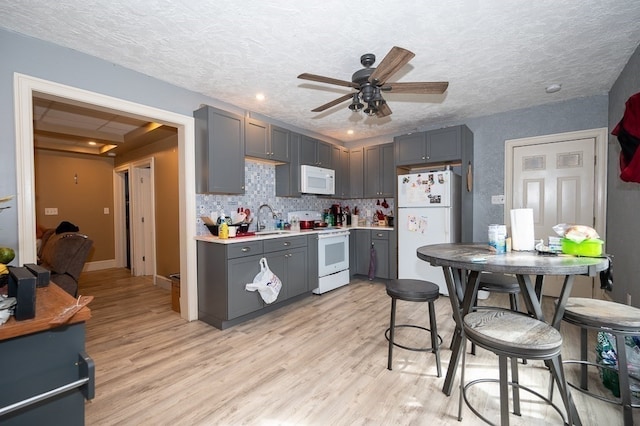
[64, 255]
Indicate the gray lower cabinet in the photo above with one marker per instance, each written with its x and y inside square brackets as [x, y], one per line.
[240, 272]
[382, 242]
[225, 269]
[219, 143]
[287, 258]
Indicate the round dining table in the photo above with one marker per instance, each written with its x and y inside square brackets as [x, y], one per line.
[462, 264]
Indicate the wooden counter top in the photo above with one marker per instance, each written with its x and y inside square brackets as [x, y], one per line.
[50, 301]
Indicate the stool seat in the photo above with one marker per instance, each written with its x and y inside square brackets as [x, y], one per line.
[599, 313]
[413, 290]
[512, 333]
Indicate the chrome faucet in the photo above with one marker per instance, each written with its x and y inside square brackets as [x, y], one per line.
[260, 225]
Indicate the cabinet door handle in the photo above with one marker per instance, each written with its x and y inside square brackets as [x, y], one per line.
[379, 234]
[287, 243]
[245, 249]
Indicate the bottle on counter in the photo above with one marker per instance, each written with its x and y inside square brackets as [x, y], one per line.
[223, 230]
[223, 227]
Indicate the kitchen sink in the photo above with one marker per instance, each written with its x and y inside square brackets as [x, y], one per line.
[274, 232]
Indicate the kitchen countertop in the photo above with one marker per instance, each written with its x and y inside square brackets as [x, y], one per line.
[50, 301]
[283, 234]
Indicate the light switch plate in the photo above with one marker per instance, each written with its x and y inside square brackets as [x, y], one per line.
[106, 210]
[51, 211]
[497, 199]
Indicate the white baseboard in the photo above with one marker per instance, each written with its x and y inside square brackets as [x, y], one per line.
[99, 265]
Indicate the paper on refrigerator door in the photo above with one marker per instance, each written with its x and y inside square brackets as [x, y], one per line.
[522, 231]
[416, 223]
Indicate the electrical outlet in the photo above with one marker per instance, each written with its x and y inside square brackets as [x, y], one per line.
[106, 210]
[497, 199]
[51, 211]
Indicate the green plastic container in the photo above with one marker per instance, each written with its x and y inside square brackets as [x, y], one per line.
[589, 248]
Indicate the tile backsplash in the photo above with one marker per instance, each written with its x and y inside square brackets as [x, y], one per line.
[260, 188]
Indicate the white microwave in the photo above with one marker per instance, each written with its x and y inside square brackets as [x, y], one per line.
[317, 180]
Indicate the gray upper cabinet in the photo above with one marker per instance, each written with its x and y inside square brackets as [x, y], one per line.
[340, 163]
[266, 141]
[219, 137]
[280, 144]
[257, 138]
[314, 152]
[411, 149]
[444, 144]
[434, 146]
[288, 175]
[356, 173]
[379, 171]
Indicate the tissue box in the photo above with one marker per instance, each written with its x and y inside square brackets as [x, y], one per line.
[589, 248]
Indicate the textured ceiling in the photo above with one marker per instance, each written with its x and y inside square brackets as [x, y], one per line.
[497, 55]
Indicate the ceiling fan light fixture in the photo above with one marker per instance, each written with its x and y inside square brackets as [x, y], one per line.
[370, 110]
[378, 100]
[356, 105]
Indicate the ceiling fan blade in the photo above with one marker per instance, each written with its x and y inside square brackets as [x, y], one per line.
[395, 59]
[334, 102]
[383, 110]
[329, 80]
[429, 88]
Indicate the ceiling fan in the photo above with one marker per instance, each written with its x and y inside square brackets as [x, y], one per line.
[370, 82]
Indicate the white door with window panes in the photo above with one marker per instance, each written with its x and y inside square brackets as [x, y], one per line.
[557, 179]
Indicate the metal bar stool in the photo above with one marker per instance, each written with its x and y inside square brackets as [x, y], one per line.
[614, 318]
[413, 291]
[513, 335]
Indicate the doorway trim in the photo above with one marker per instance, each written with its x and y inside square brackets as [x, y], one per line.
[600, 172]
[24, 89]
[135, 209]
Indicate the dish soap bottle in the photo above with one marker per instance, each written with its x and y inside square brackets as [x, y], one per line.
[223, 228]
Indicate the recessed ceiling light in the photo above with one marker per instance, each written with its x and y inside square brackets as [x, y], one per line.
[553, 88]
[92, 143]
[260, 96]
[349, 132]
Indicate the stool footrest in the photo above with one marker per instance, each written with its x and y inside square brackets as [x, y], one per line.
[429, 349]
[519, 386]
[616, 401]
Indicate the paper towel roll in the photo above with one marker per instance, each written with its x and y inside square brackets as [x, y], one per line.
[522, 233]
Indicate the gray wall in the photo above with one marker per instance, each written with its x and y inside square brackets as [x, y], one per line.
[490, 133]
[51, 62]
[623, 203]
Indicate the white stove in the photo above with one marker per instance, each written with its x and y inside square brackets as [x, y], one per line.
[333, 253]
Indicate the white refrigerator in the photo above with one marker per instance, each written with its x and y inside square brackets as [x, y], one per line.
[428, 213]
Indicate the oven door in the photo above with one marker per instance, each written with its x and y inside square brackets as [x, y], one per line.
[333, 253]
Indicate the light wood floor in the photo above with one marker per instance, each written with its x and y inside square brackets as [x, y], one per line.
[320, 361]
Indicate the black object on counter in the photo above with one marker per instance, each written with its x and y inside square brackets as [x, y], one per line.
[43, 276]
[22, 286]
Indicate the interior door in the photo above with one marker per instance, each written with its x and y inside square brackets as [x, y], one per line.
[556, 180]
[143, 246]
